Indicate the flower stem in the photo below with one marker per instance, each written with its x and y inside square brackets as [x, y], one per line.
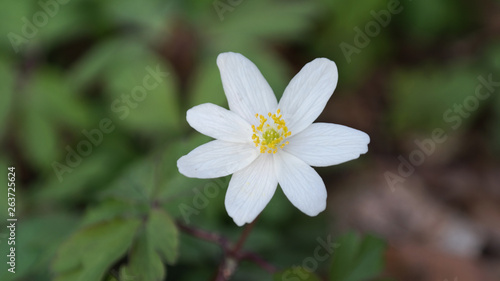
[232, 255]
[244, 236]
[213, 237]
[271, 269]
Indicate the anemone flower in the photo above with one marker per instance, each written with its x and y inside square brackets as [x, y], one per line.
[264, 143]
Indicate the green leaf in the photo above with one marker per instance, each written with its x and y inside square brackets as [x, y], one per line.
[157, 242]
[37, 240]
[357, 258]
[149, 16]
[295, 273]
[90, 252]
[135, 183]
[144, 262]
[39, 139]
[52, 95]
[49, 102]
[88, 174]
[143, 90]
[65, 21]
[109, 210]
[238, 30]
[349, 14]
[12, 15]
[141, 87]
[163, 234]
[96, 62]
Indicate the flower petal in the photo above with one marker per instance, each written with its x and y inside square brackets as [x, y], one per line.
[307, 94]
[216, 159]
[301, 184]
[323, 144]
[250, 189]
[246, 89]
[219, 123]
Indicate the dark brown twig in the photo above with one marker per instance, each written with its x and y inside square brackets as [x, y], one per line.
[271, 269]
[213, 237]
[244, 236]
[232, 255]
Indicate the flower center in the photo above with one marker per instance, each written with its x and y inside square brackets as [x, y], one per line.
[271, 132]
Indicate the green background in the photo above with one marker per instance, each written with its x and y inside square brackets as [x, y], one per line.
[64, 64]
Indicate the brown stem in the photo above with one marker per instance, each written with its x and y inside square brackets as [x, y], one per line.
[244, 236]
[232, 255]
[271, 269]
[226, 268]
[213, 237]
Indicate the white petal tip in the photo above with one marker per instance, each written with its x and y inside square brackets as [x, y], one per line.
[224, 56]
[182, 167]
[196, 112]
[326, 63]
[315, 211]
[363, 140]
[238, 219]
[239, 222]
[366, 141]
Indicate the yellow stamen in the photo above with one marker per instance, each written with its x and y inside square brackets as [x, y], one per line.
[272, 137]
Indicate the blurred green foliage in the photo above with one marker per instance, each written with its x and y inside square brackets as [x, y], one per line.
[66, 66]
[357, 259]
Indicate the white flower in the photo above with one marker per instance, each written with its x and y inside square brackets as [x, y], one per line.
[264, 143]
